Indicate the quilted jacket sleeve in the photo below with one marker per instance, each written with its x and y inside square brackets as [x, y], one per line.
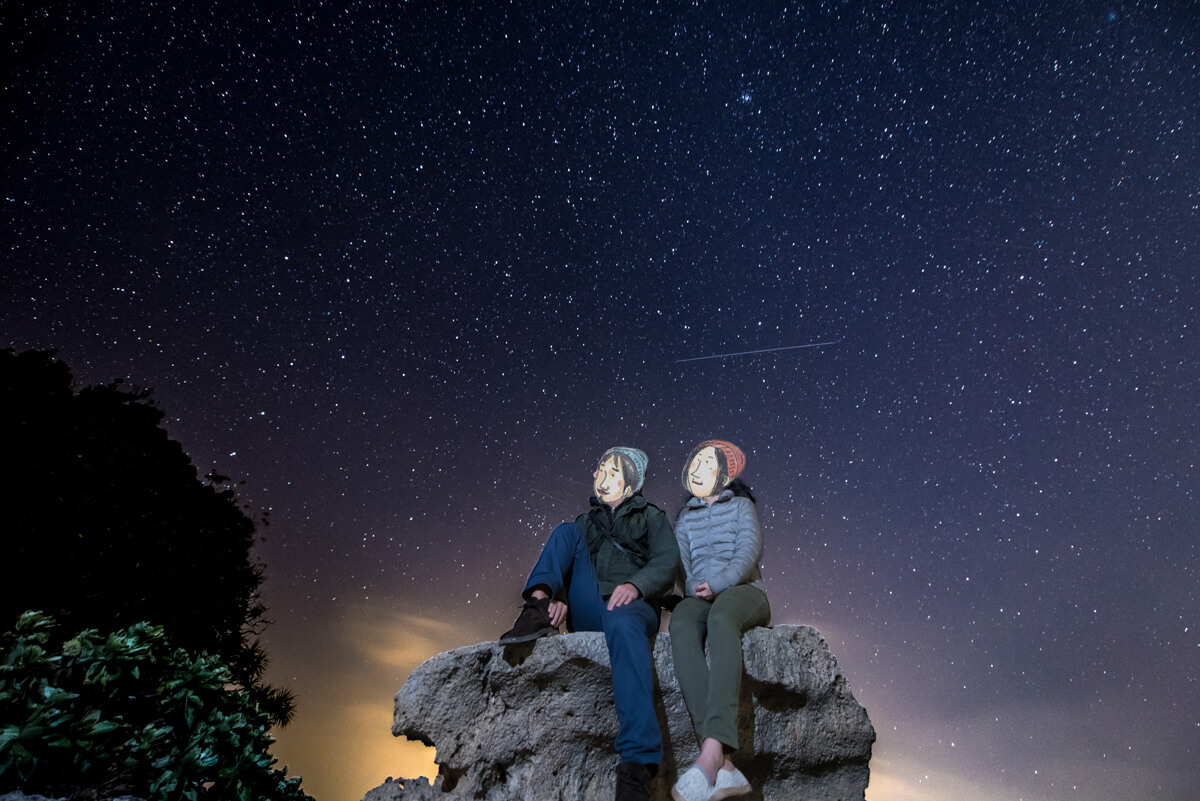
[747, 548]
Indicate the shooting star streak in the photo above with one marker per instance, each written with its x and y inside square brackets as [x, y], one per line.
[764, 350]
[548, 495]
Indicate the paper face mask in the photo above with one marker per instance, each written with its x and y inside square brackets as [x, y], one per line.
[704, 472]
[711, 466]
[619, 474]
[611, 486]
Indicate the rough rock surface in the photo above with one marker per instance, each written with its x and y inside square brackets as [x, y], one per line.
[535, 722]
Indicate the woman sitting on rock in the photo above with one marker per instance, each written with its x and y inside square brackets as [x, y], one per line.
[720, 543]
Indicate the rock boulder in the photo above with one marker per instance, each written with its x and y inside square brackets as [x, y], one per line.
[535, 722]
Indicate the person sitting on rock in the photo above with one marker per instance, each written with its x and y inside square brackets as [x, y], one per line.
[720, 543]
[607, 571]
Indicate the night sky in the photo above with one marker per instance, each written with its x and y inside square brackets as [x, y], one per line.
[408, 269]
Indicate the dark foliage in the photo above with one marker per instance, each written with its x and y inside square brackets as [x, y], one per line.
[108, 524]
[127, 713]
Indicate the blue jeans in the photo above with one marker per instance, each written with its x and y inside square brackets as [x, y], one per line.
[566, 564]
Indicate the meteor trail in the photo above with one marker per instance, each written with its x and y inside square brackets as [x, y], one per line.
[764, 350]
[548, 495]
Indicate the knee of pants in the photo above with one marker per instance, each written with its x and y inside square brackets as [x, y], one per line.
[569, 530]
[683, 628]
[725, 627]
[736, 617]
[691, 610]
[626, 622]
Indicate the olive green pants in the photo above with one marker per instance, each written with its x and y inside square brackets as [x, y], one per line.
[711, 688]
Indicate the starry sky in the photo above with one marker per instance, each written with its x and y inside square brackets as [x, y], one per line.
[407, 269]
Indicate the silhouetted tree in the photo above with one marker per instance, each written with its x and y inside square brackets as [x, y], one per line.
[106, 523]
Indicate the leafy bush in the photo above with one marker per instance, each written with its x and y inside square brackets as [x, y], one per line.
[107, 522]
[127, 713]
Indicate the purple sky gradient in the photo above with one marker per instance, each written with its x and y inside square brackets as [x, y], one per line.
[408, 269]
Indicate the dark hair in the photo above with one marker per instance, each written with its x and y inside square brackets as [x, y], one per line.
[722, 467]
[628, 468]
[741, 489]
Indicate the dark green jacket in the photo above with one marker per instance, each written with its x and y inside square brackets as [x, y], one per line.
[633, 543]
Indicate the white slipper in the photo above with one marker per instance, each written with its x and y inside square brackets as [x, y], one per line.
[692, 786]
[730, 783]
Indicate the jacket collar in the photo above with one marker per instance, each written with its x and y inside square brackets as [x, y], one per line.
[695, 503]
[632, 503]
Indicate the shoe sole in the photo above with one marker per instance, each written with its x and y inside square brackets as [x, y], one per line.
[546, 632]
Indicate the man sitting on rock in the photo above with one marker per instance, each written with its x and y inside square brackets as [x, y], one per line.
[607, 572]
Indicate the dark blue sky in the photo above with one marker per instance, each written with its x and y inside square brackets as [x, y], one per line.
[408, 269]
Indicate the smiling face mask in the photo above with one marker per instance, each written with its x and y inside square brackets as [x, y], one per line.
[711, 466]
[610, 485]
[705, 470]
[619, 475]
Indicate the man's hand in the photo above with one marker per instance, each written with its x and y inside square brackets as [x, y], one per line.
[558, 613]
[703, 591]
[622, 595]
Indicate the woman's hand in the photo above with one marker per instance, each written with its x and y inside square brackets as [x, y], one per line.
[703, 591]
[558, 613]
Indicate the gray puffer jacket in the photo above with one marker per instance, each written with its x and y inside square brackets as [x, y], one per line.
[720, 543]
